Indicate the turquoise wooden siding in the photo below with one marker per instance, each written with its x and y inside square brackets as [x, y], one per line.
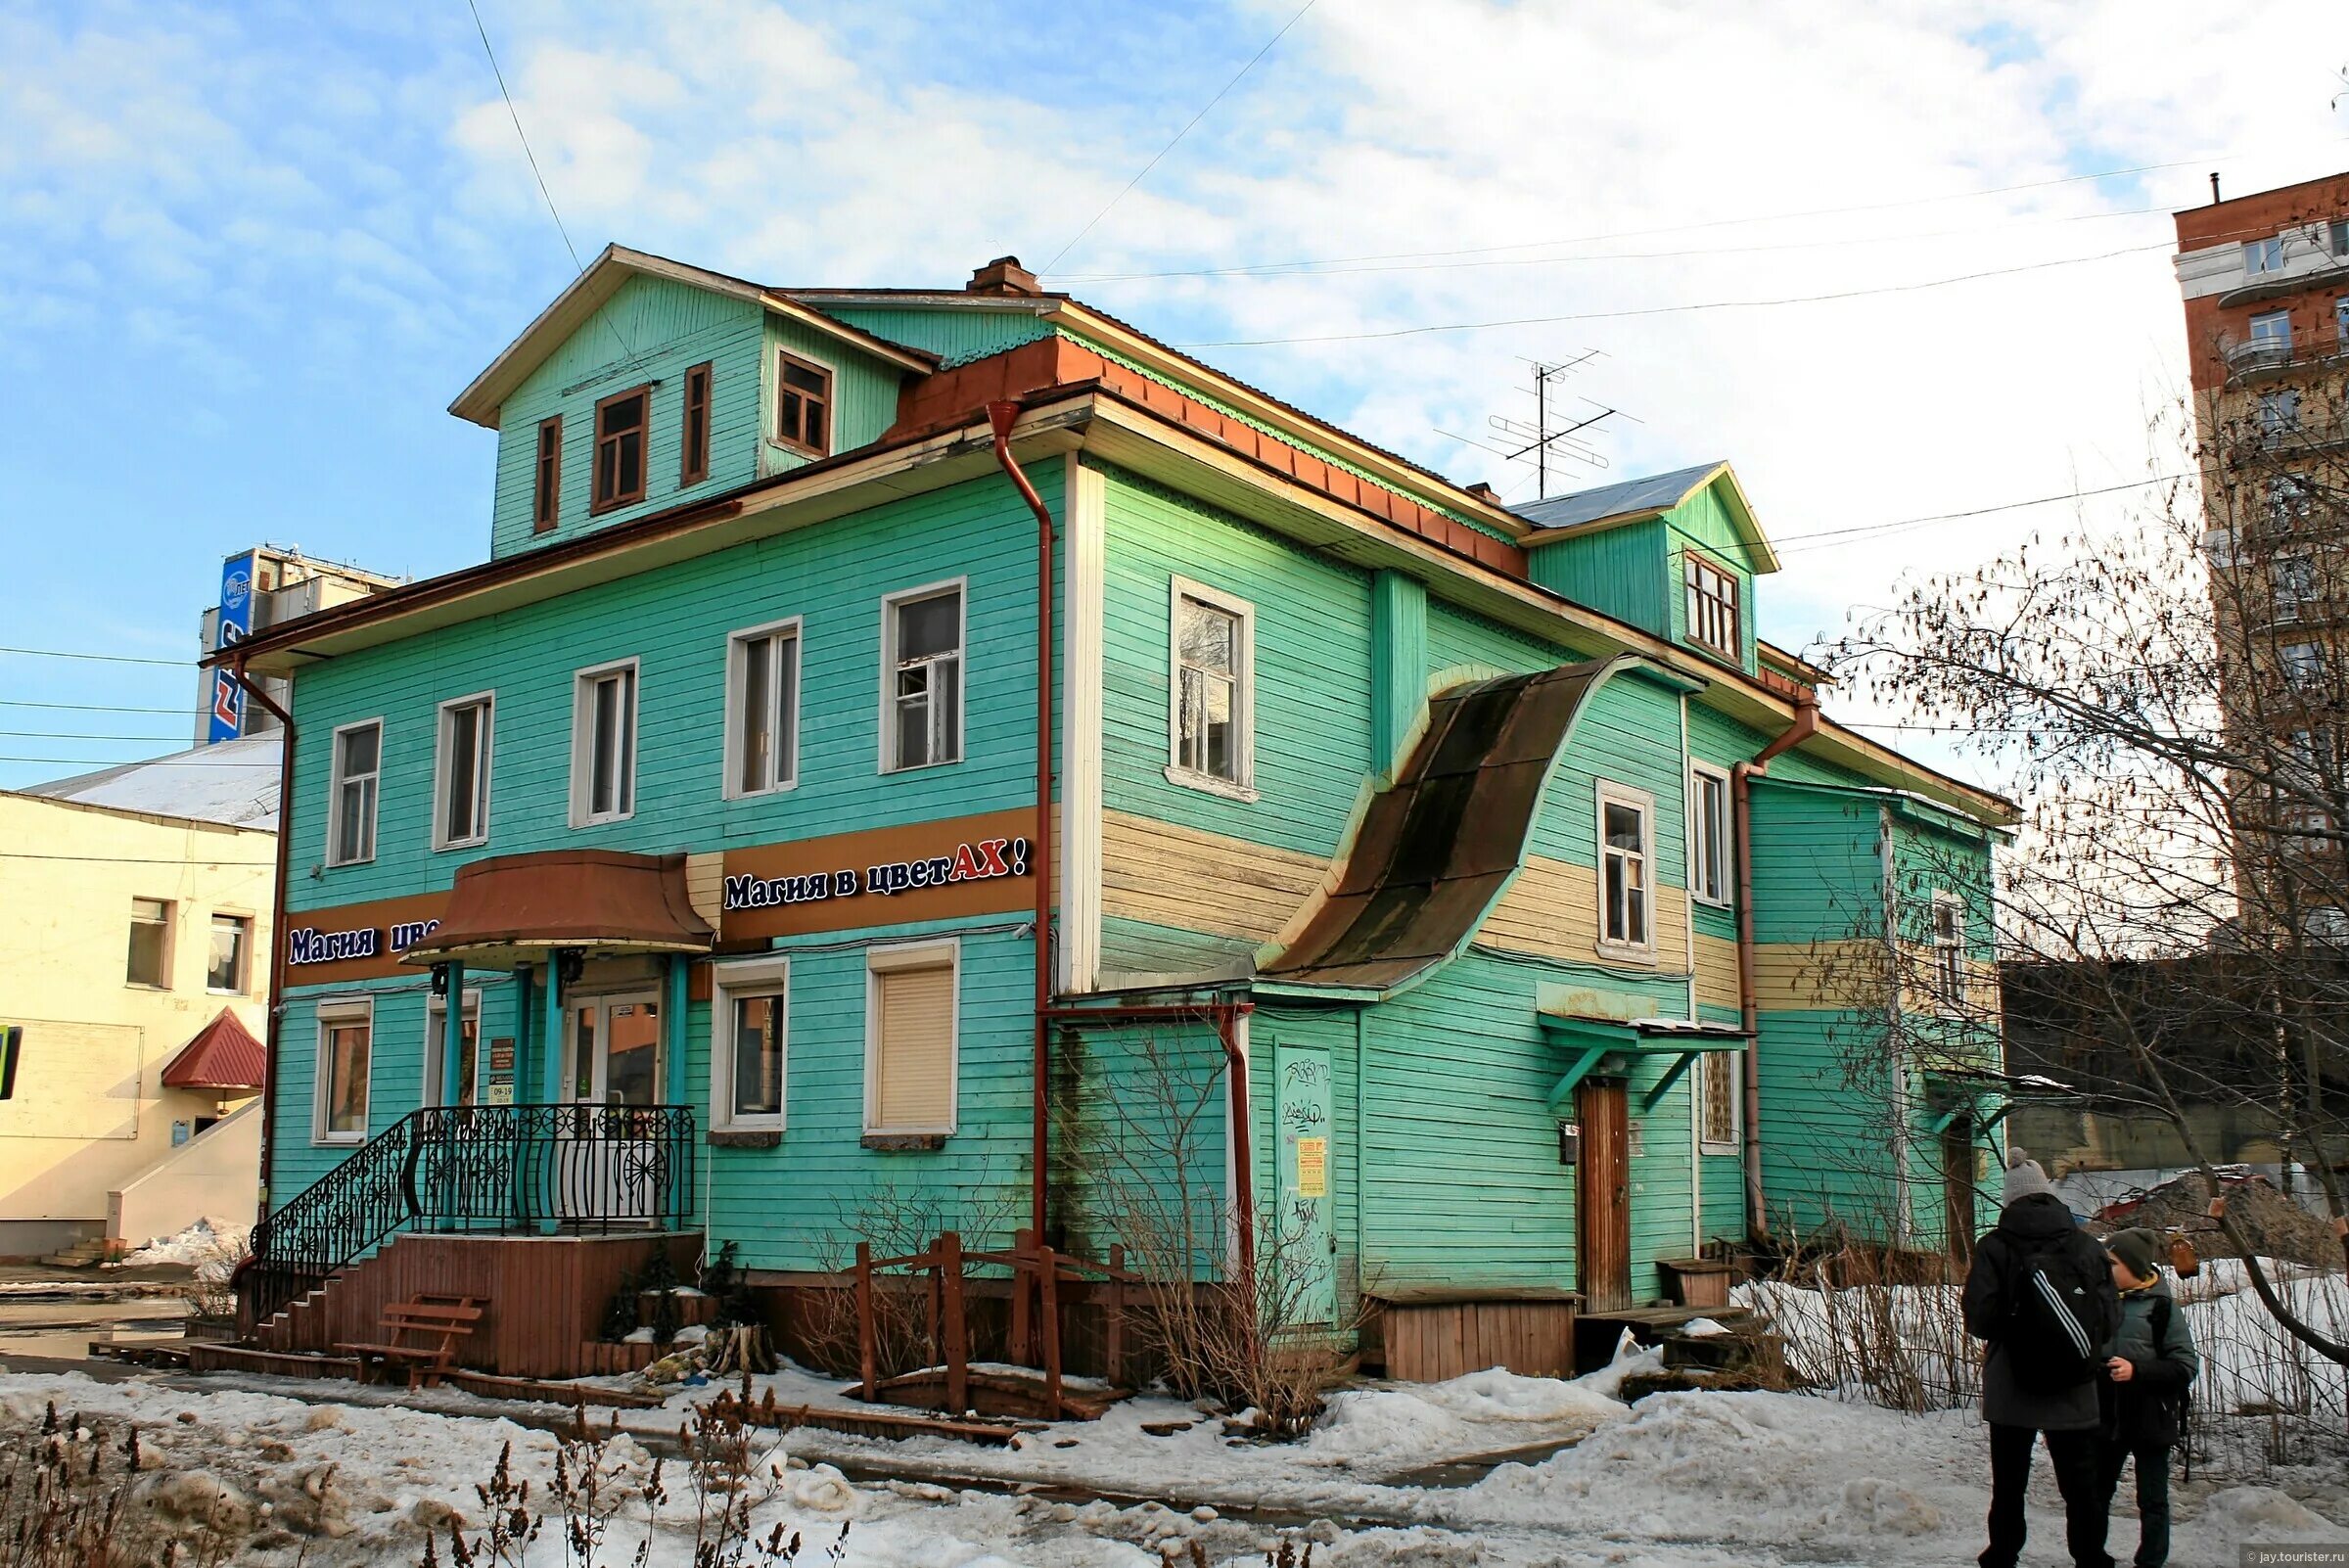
[1129, 1101]
[1313, 669]
[1703, 521]
[1462, 645]
[1629, 733]
[675, 621]
[864, 392]
[957, 336]
[1398, 667]
[1619, 571]
[652, 329]
[1338, 1032]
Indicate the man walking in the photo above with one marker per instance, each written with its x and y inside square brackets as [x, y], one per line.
[2040, 1293]
[2153, 1362]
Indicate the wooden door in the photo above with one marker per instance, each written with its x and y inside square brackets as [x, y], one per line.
[1958, 1187]
[1604, 1195]
[1306, 1248]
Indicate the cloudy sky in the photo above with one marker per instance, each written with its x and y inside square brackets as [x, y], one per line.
[247, 252]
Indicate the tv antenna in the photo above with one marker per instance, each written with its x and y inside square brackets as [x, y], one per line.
[1555, 430]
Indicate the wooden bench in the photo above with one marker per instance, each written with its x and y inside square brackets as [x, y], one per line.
[421, 1336]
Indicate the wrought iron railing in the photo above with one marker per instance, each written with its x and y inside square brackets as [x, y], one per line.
[506, 1170]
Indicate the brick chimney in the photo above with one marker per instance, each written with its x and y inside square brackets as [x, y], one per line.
[1005, 275]
[1484, 493]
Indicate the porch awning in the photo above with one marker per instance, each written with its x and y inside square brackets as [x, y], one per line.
[515, 910]
[1952, 1092]
[223, 1055]
[1610, 1048]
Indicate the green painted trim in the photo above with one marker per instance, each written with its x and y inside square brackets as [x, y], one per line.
[1285, 990]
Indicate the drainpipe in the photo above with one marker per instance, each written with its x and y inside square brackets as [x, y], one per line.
[1741, 776]
[1000, 417]
[1228, 1016]
[277, 927]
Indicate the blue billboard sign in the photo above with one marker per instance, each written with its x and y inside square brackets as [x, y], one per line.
[227, 720]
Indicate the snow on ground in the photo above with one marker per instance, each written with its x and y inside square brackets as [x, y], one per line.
[206, 1242]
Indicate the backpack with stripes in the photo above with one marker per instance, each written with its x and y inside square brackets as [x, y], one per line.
[2051, 1318]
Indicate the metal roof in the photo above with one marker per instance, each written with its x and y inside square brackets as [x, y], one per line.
[1658, 492]
[233, 783]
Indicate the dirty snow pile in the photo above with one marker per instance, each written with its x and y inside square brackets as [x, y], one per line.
[210, 1242]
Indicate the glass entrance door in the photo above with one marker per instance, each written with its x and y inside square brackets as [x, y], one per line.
[615, 1052]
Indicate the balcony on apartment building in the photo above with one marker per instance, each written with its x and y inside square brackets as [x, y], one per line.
[2258, 355]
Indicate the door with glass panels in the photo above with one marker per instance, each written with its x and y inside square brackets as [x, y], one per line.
[613, 1060]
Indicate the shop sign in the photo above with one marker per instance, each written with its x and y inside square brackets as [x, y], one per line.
[308, 944]
[979, 860]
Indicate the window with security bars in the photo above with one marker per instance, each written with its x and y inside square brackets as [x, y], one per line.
[910, 1042]
[1711, 606]
[1718, 1132]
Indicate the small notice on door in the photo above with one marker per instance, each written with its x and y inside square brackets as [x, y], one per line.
[1313, 1168]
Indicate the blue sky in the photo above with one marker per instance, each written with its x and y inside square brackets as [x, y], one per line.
[247, 252]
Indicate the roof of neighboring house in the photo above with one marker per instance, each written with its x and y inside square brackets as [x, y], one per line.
[233, 783]
[223, 1055]
[1636, 500]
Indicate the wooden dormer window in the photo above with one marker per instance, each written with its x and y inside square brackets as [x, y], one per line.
[619, 431]
[802, 405]
[546, 476]
[1713, 608]
[694, 467]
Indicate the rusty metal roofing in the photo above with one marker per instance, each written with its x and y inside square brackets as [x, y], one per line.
[1434, 849]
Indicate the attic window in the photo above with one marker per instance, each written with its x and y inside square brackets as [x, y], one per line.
[803, 405]
[1713, 608]
[620, 422]
[546, 480]
[695, 465]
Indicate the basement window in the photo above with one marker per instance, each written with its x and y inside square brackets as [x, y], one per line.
[620, 435]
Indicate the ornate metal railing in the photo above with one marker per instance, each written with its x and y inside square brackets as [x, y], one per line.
[504, 1170]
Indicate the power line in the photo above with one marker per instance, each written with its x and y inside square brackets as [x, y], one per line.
[1179, 136]
[53, 734]
[1873, 528]
[1685, 228]
[111, 659]
[514, 115]
[130, 859]
[104, 764]
[88, 708]
[1672, 309]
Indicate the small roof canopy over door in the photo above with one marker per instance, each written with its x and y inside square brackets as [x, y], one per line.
[515, 909]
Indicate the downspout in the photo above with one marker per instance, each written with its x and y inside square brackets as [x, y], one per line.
[1000, 417]
[1741, 776]
[277, 928]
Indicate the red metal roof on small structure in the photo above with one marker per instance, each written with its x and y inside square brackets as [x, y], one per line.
[223, 1055]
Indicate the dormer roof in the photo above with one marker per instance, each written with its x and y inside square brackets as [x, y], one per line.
[480, 401]
[1639, 500]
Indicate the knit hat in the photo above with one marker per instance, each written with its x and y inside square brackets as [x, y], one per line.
[2136, 1248]
[2023, 1178]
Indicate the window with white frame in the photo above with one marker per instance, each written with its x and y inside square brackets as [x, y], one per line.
[1626, 869]
[436, 1053]
[461, 773]
[1717, 1128]
[2263, 256]
[910, 1039]
[2278, 414]
[228, 968]
[1210, 701]
[345, 1048]
[2295, 580]
[749, 1035]
[150, 960]
[1948, 949]
[358, 762]
[921, 668]
[2272, 330]
[762, 708]
[2303, 665]
[603, 745]
[1711, 851]
[1711, 606]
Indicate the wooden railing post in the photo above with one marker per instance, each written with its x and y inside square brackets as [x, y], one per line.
[958, 1344]
[1047, 1321]
[868, 1349]
[1023, 1327]
[1114, 1356]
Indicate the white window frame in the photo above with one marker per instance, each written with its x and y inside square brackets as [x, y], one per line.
[1728, 825]
[753, 977]
[1694, 565]
[878, 961]
[960, 587]
[737, 674]
[244, 985]
[1612, 793]
[486, 701]
[2269, 326]
[2302, 664]
[335, 781]
[436, 1047]
[1243, 715]
[2264, 256]
[583, 740]
[2292, 566]
[1737, 1091]
[341, 1010]
[1949, 980]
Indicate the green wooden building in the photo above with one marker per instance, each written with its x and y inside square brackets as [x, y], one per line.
[1371, 912]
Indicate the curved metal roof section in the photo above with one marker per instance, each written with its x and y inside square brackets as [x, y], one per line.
[1433, 851]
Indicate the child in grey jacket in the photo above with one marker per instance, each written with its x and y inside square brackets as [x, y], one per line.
[2152, 1364]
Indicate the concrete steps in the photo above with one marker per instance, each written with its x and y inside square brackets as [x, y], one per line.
[87, 1254]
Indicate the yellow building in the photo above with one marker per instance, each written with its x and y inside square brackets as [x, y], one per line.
[135, 931]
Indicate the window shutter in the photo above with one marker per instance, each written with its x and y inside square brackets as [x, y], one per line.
[914, 1083]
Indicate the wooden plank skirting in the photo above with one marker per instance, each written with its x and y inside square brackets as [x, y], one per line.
[1427, 1341]
[207, 1357]
[545, 1297]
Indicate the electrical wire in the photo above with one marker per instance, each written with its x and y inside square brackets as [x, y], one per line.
[514, 115]
[1179, 136]
[1872, 529]
[101, 765]
[131, 859]
[88, 708]
[110, 658]
[1671, 309]
[55, 734]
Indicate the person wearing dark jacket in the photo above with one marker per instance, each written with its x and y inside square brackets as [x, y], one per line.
[2153, 1363]
[2035, 1233]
